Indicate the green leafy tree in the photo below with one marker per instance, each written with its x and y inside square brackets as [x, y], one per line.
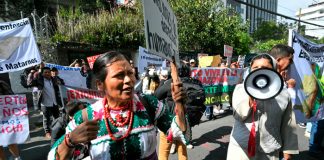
[205, 25]
[268, 34]
[262, 47]
[118, 28]
[268, 30]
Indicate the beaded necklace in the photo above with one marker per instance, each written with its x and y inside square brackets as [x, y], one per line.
[120, 120]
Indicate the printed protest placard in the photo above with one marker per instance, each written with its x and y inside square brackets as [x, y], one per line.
[228, 51]
[161, 31]
[69, 93]
[18, 49]
[72, 76]
[92, 59]
[219, 83]
[146, 59]
[14, 125]
[307, 70]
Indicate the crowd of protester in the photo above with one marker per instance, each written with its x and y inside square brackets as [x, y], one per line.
[151, 97]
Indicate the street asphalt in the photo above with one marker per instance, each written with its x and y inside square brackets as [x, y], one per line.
[210, 140]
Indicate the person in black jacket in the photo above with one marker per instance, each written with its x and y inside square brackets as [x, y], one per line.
[49, 99]
[59, 124]
[57, 79]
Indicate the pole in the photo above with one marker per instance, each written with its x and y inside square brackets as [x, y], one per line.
[299, 15]
[179, 109]
[46, 26]
[35, 23]
[290, 37]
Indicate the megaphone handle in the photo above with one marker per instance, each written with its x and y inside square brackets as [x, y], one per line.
[252, 142]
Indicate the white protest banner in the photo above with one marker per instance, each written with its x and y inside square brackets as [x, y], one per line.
[219, 83]
[14, 125]
[146, 59]
[307, 70]
[18, 49]
[161, 31]
[69, 93]
[72, 76]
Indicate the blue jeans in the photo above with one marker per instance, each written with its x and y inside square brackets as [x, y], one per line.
[316, 136]
[209, 112]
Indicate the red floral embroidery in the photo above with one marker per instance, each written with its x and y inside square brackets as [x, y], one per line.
[99, 114]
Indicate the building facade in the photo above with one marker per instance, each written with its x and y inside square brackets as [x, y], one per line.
[252, 15]
[238, 7]
[315, 14]
[256, 16]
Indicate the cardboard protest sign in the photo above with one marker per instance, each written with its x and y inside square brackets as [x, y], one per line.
[72, 76]
[228, 51]
[161, 31]
[14, 125]
[307, 70]
[18, 49]
[146, 59]
[69, 93]
[209, 61]
[219, 83]
[201, 55]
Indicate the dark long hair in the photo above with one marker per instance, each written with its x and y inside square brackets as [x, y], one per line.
[264, 56]
[100, 65]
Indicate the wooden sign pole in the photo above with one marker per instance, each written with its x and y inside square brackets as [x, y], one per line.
[180, 110]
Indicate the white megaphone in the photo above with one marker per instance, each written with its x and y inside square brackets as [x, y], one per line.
[263, 84]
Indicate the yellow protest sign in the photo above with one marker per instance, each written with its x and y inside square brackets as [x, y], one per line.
[210, 61]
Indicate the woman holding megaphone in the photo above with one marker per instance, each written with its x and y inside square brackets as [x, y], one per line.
[264, 120]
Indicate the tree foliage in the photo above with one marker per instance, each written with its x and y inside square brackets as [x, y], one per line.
[268, 30]
[265, 46]
[268, 34]
[118, 28]
[205, 25]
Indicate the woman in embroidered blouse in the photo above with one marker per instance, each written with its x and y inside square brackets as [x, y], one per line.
[122, 124]
[275, 124]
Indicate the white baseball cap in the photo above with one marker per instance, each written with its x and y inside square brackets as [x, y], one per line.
[192, 61]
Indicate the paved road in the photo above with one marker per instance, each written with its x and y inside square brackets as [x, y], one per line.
[210, 139]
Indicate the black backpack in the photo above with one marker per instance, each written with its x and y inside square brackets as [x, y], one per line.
[195, 100]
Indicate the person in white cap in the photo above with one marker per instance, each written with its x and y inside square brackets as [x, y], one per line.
[192, 63]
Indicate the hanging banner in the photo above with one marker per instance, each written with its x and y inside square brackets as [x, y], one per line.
[14, 125]
[161, 30]
[72, 76]
[219, 83]
[69, 93]
[146, 59]
[307, 70]
[18, 49]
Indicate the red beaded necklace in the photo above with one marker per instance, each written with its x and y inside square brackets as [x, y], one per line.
[119, 119]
